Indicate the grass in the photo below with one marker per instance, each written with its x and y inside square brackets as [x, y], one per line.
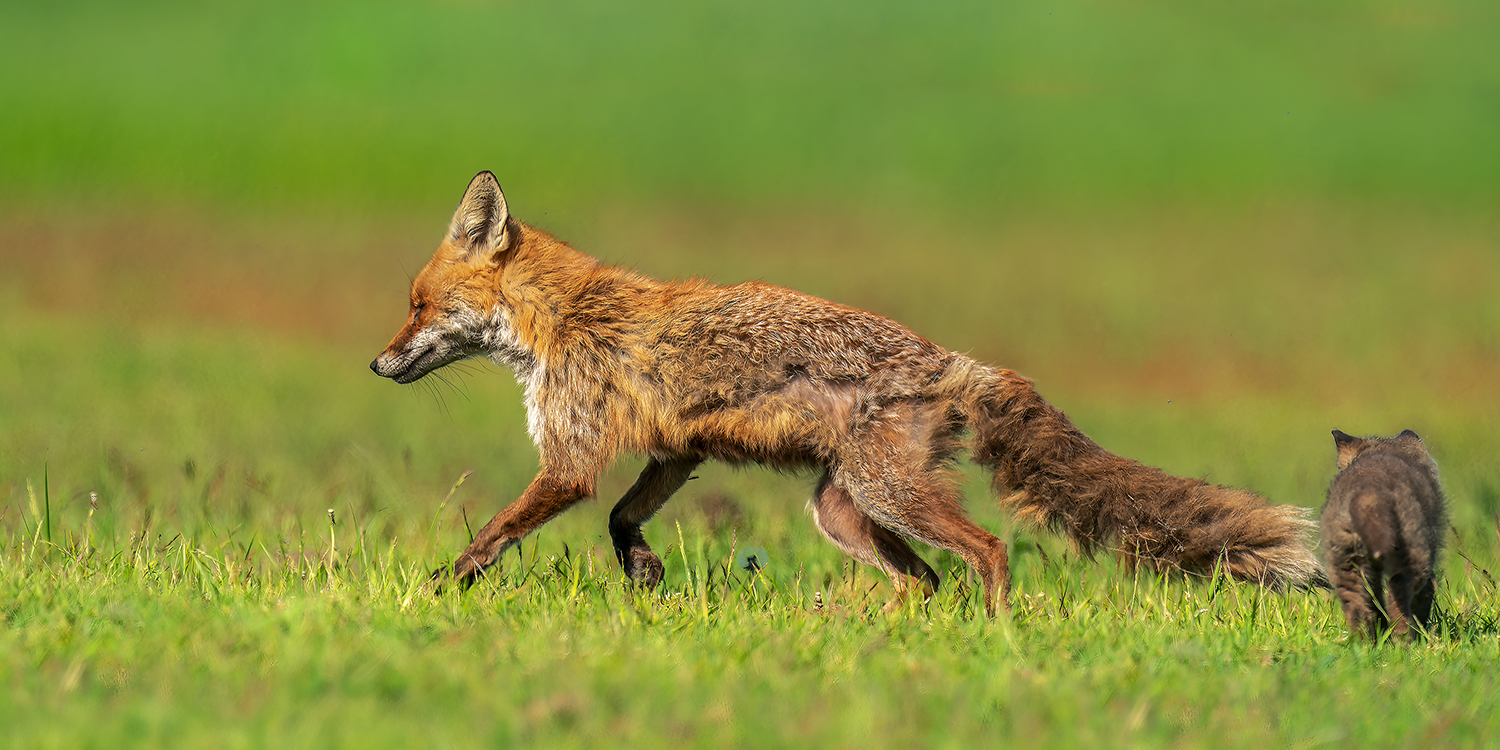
[342, 649]
[1211, 232]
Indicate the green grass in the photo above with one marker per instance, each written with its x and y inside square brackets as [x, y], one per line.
[222, 641]
[1212, 232]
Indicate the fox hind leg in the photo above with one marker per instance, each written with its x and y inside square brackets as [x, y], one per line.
[897, 474]
[657, 482]
[864, 540]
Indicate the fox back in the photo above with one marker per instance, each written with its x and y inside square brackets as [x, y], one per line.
[1382, 529]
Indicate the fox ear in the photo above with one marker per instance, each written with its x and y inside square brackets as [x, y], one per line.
[1410, 435]
[480, 226]
[1348, 447]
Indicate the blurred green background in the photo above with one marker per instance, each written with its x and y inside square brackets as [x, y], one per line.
[1212, 231]
[963, 105]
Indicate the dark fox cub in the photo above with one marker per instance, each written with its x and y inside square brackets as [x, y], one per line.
[1382, 528]
[683, 372]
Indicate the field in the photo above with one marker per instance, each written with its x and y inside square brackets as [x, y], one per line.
[1211, 234]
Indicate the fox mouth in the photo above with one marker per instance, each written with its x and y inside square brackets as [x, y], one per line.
[417, 367]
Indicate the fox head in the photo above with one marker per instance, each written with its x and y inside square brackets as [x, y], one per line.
[456, 310]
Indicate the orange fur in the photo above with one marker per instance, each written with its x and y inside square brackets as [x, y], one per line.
[615, 363]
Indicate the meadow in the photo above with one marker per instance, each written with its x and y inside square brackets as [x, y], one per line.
[1211, 234]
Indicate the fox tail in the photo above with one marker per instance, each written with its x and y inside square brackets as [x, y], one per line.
[1053, 475]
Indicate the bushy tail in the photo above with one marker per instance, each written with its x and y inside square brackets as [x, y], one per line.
[1061, 479]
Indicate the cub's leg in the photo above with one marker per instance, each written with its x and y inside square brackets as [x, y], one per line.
[1409, 599]
[1422, 596]
[1360, 590]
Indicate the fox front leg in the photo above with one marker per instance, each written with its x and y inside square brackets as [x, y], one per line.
[658, 481]
[546, 497]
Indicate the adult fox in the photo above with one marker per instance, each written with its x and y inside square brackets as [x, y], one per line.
[613, 362]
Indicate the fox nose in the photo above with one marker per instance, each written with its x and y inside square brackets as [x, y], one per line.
[375, 366]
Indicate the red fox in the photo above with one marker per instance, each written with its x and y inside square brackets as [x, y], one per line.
[1382, 529]
[613, 363]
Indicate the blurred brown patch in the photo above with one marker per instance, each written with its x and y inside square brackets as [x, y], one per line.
[287, 278]
[1153, 303]
[721, 512]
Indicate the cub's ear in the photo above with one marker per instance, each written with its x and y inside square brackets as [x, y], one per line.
[481, 225]
[1410, 435]
[1348, 447]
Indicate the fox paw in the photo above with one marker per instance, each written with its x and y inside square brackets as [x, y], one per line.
[438, 580]
[642, 566]
[462, 574]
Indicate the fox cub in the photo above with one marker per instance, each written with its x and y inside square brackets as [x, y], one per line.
[615, 363]
[1382, 528]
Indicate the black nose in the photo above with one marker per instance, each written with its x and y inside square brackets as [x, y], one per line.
[375, 366]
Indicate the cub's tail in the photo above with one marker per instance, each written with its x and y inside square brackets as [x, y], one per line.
[1059, 478]
[1376, 522]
